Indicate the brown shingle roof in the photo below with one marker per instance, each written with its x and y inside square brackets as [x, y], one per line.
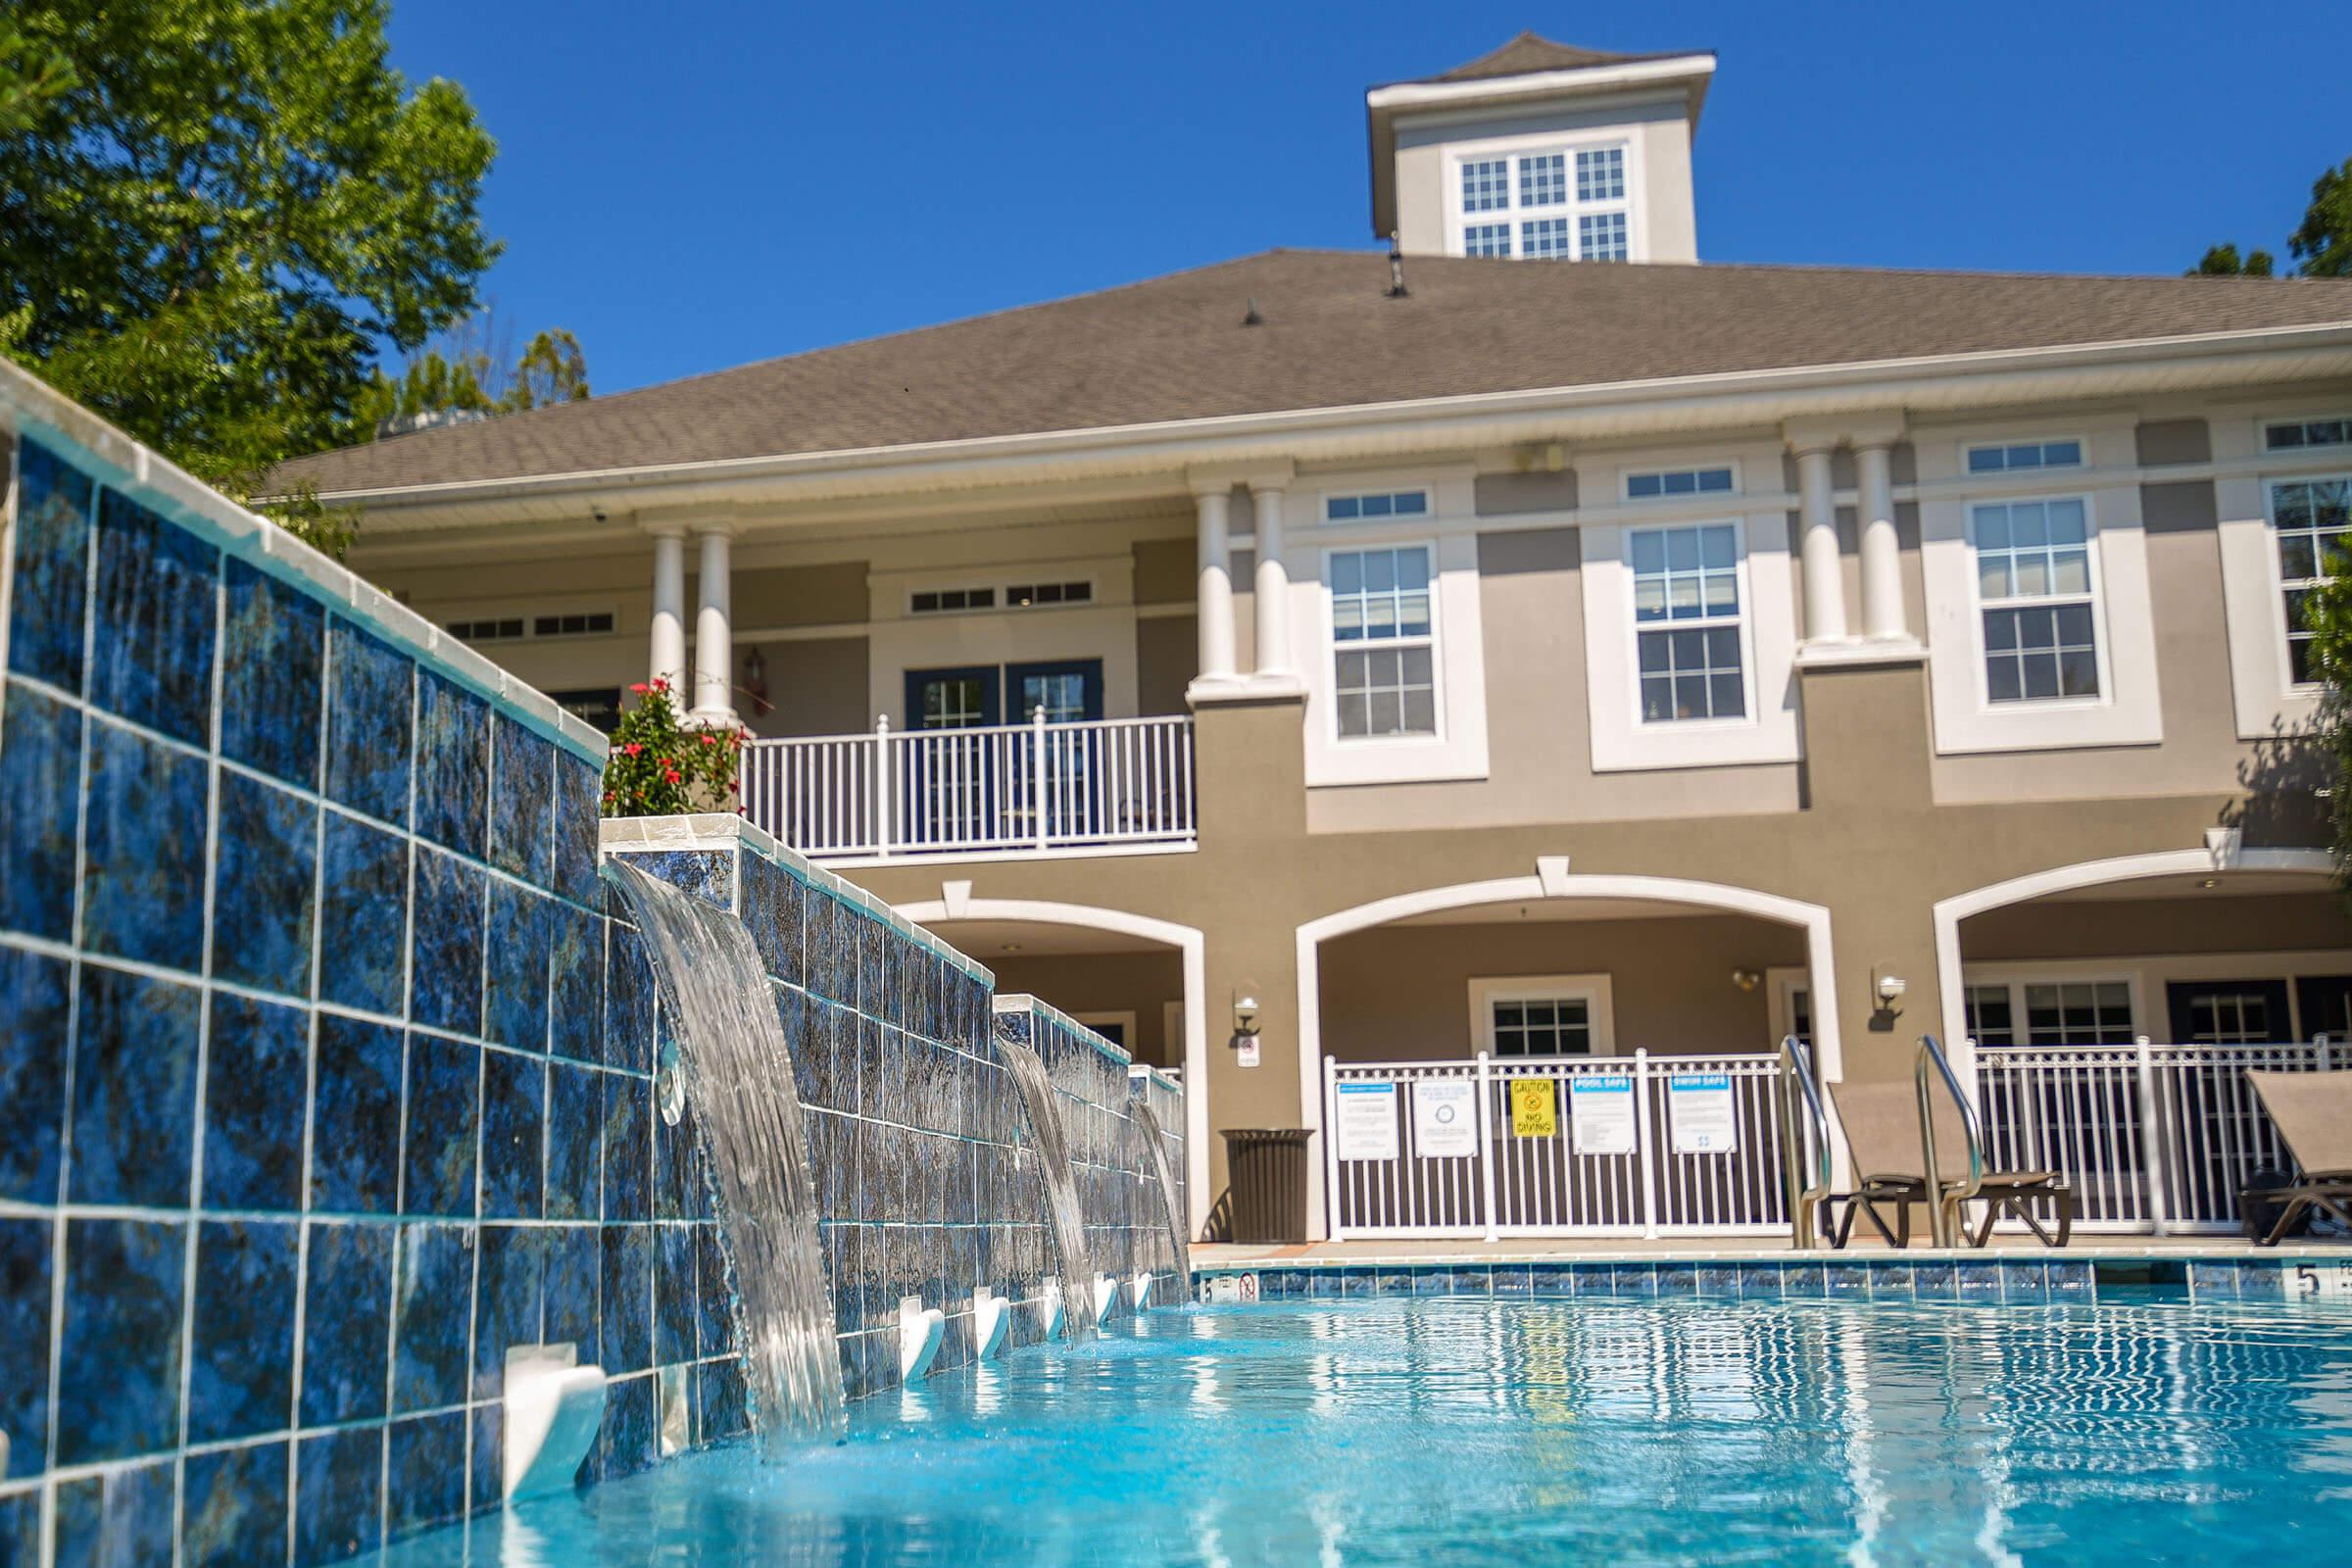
[1532, 52]
[1174, 348]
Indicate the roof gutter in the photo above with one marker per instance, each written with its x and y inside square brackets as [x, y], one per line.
[1389, 431]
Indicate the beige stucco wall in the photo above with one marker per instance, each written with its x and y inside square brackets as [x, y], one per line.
[818, 687]
[2112, 928]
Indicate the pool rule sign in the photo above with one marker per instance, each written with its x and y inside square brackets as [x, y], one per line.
[1445, 1118]
[1366, 1120]
[1600, 1113]
[1703, 1117]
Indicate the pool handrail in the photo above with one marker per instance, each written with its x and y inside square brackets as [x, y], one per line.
[1804, 1128]
[1943, 1206]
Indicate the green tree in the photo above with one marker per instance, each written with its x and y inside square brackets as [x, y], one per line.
[553, 369]
[31, 75]
[463, 371]
[2323, 245]
[230, 208]
[2327, 615]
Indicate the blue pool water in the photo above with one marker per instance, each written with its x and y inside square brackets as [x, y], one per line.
[1474, 1431]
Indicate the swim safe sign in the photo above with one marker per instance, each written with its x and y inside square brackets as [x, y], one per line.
[1700, 1108]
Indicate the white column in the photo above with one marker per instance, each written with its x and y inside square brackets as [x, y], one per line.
[1273, 585]
[669, 636]
[714, 638]
[1881, 557]
[1215, 587]
[1817, 515]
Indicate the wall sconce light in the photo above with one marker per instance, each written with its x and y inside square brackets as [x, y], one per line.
[1245, 1014]
[1890, 989]
[1746, 979]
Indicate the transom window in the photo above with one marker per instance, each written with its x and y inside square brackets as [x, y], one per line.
[1023, 595]
[485, 631]
[940, 600]
[578, 626]
[2311, 518]
[2017, 456]
[1542, 1026]
[1677, 482]
[2297, 434]
[1527, 205]
[507, 628]
[1687, 623]
[2033, 579]
[1385, 653]
[1379, 504]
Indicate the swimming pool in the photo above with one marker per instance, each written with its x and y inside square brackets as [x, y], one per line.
[1458, 1430]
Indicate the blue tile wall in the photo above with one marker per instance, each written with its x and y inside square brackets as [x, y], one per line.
[327, 1070]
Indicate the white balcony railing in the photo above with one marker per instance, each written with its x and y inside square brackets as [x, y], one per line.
[1002, 788]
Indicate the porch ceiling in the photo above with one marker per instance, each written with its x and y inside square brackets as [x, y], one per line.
[2226, 884]
[1562, 909]
[991, 940]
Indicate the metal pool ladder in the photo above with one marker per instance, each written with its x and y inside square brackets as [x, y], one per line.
[1804, 1143]
[1943, 1209]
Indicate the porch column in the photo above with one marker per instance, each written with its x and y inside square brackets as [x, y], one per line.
[1817, 515]
[1882, 558]
[667, 659]
[714, 637]
[1273, 585]
[1216, 584]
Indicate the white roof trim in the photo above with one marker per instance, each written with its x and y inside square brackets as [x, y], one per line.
[1408, 95]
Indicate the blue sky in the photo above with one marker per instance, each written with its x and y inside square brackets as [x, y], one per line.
[737, 180]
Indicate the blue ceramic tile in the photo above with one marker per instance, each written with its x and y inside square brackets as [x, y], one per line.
[134, 1090]
[707, 874]
[33, 1023]
[523, 805]
[267, 851]
[234, 1507]
[369, 701]
[574, 1273]
[24, 1254]
[514, 1135]
[723, 1399]
[625, 1337]
[425, 1473]
[2072, 1281]
[256, 1086]
[118, 1383]
[355, 1142]
[489, 1422]
[241, 1357]
[364, 916]
[123, 1519]
[40, 795]
[626, 1445]
[575, 1000]
[445, 957]
[628, 1147]
[577, 783]
[505, 1301]
[432, 1318]
[1676, 1279]
[1846, 1280]
[48, 609]
[680, 1188]
[2024, 1284]
[676, 1304]
[158, 591]
[338, 1492]
[628, 1003]
[142, 875]
[1933, 1281]
[273, 661]
[521, 935]
[21, 1529]
[575, 1120]
[1760, 1281]
[1977, 1281]
[1892, 1282]
[1719, 1282]
[1803, 1281]
[771, 913]
[715, 1325]
[445, 1086]
[347, 1318]
[453, 765]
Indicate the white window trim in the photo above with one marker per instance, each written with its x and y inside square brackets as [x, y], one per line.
[2267, 701]
[1324, 499]
[1590, 989]
[2016, 976]
[2128, 710]
[1971, 447]
[2262, 434]
[1780, 983]
[1458, 750]
[2099, 616]
[1769, 733]
[2308, 691]
[1635, 204]
[1629, 472]
[2149, 975]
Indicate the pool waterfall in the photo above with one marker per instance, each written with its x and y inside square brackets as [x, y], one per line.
[739, 1078]
[1052, 1148]
[1156, 1145]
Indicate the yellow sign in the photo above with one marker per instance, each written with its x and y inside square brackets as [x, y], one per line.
[1535, 1108]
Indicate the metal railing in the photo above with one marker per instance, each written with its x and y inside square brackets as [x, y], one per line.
[2152, 1137]
[995, 787]
[1806, 1159]
[1556, 1145]
[1928, 1072]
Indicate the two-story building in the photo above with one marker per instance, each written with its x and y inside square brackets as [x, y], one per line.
[1451, 653]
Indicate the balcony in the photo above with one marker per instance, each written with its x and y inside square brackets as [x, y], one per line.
[1105, 786]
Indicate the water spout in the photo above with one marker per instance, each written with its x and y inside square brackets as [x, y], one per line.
[1155, 1145]
[739, 1084]
[1078, 1311]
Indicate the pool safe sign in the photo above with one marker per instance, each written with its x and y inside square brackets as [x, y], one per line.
[1445, 1118]
[1366, 1120]
[1700, 1108]
[1600, 1113]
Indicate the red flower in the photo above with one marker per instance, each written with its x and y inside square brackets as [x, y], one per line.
[672, 776]
[709, 739]
[640, 688]
[632, 747]
[660, 685]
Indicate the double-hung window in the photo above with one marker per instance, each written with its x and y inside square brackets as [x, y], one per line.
[1542, 1025]
[1557, 204]
[1687, 623]
[2049, 1013]
[2312, 518]
[2034, 582]
[1384, 657]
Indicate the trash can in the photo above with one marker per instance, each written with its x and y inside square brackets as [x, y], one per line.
[1268, 1171]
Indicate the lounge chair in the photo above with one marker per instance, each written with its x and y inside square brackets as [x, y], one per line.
[2313, 1112]
[1882, 1136]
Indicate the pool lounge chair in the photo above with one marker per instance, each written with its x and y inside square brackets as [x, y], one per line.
[2313, 1112]
[1881, 1135]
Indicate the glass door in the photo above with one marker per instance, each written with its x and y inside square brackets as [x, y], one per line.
[1068, 692]
[945, 787]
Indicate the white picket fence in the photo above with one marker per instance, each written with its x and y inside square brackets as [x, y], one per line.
[2152, 1137]
[1400, 1164]
[1001, 787]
